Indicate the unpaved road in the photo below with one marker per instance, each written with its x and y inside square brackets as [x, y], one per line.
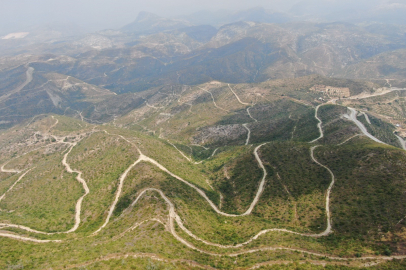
[28, 74]
[249, 133]
[249, 114]
[174, 217]
[144, 158]
[381, 93]
[319, 124]
[183, 154]
[78, 203]
[85, 187]
[8, 171]
[366, 117]
[29, 239]
[328, 229]
[15, 183]
[239, 100]
[214, 102]
[120, 187]
[401, 141]
[347, 140]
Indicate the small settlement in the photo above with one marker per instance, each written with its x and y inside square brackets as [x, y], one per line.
[340, 92]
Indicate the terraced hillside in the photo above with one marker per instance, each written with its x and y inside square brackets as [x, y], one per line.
[213, 176]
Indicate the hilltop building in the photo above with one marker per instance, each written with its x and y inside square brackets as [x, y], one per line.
[341, 92]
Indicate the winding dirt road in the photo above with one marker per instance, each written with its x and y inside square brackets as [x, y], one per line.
[214, 102]
[174, 217]
[328, 229]
[119, 190]
[8, 170]
[319, 125]
[29, 239]
[249, 133]
[402, 142]
[144, 158]
[239, 100]
[78, 206]
[249, 114]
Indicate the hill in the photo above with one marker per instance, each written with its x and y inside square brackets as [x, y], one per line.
[210, 176]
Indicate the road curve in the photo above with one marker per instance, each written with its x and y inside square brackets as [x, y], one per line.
[353, 117]
[174, 216]
[401, 141]
[120, 187]
[203, 194]
[249, 114]
[328, 229]
[239, 100]
[144, 158]
[318, 125]
[214, 102]
[249, 133]
[6, 170]
[78, 207]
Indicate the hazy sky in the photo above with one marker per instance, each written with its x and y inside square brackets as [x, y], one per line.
[101, 14]
[113, 13]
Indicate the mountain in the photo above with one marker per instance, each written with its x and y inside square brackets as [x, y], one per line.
[270, 141]
[259, 15]
[35, 93]
[241, 52]
[148, 23]
[201, 33]
[222, 17]
[387, 12]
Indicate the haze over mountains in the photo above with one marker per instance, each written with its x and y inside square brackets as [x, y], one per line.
[248, 46]
[184, 137]
[20, 15]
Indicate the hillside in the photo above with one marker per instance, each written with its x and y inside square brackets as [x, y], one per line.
[153, 51]
[209, 176]
[221, 140]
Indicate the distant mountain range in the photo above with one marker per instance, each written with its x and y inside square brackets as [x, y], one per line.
[153, 51]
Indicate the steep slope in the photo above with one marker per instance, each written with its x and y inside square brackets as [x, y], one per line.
[46, 93]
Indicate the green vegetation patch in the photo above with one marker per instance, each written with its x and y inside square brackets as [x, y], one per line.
[295, 188]
[45, 198]
[103, 159]
[368, 196]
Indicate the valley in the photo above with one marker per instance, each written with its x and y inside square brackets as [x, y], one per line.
[267, 143]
